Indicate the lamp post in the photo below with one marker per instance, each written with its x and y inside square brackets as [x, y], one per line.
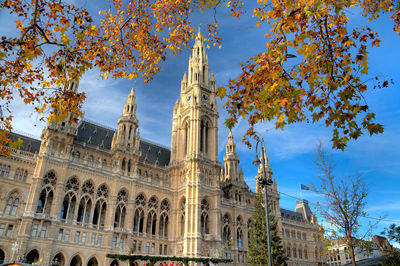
[264, 183]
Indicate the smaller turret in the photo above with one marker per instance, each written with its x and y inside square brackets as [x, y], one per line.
[126, 136]
[231, 160]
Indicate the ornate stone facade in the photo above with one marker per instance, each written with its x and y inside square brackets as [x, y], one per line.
[84, 190]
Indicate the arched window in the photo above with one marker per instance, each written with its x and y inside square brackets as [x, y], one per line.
[204, 128]
[288, 250]
[151, 222]
[204, 229]
[305, 253]
[99, 214]
[93, 262]
[47, 194]
[163, 226]
[68, 206]
[239, 236]
[119, 219]
[58, 260]
[69, 203]
[226, 232]
[138, 221]
[186, 128]
[300, 253]
[294, 252]
[12, 205]
[183, 212]
[45, 201]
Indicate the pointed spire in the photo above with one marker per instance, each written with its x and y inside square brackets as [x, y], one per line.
[130, 105]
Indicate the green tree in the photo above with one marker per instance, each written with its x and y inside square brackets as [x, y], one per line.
[258, 241]
[392, 232]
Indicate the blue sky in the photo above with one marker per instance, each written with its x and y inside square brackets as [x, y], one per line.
[290, 151]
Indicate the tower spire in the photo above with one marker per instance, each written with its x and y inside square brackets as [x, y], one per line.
[231, 160]
[124, 139]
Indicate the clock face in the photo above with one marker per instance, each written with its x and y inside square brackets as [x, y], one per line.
[205, 97]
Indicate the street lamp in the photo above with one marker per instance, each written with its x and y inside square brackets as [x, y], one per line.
[264, 182]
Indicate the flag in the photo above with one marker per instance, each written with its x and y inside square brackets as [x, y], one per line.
[304, 187]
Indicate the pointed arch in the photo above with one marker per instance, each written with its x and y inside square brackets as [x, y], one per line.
[59, 259]
[32, 256]
[76, 260]
[151, 222]
[182, 206]
[93, 261]
[120, 213]
[204, 221]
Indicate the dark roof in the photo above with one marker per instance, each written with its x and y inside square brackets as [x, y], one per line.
[153, 153]
[29, 143]
[292, 215]
[98, 135]
[95, 134]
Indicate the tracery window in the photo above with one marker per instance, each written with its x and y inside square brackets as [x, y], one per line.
[153, 203]
[47, 194]
[226, 232]
[138, 221]
[163, 226]
[239, 235]
[84, 210]
[239, 232]
[102, 192]
[119, 219]
[85, 204]
[99, 213]
[69, 203]
[204, 226]
[12, 204]
[68, 206]
[151, 222]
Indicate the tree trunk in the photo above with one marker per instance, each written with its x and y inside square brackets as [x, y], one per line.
[353, 257]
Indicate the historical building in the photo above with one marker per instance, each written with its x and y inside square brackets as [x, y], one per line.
[84, 190]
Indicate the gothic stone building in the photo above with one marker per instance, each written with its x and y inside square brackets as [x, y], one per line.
[84, 190]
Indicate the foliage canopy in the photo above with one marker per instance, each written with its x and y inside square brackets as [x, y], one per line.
[56, 41]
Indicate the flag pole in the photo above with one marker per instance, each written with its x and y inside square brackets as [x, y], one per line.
[301, 192]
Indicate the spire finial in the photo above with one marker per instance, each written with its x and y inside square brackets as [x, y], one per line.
[199, 31]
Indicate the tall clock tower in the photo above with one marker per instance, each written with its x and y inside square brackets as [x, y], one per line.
[195, 117]
[194, 152]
